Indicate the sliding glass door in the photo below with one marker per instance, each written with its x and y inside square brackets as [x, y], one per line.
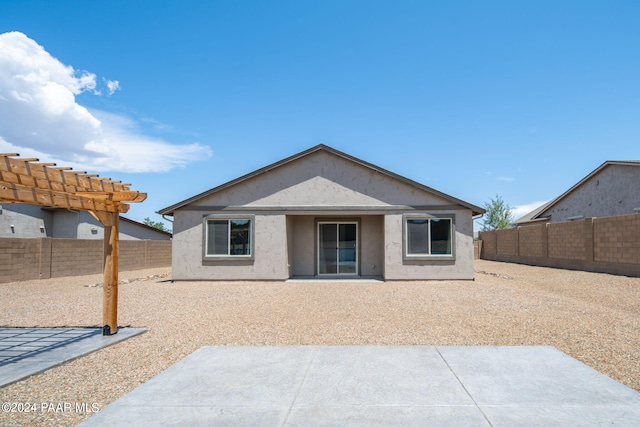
[338, 248]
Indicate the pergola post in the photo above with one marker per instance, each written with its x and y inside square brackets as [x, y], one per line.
[110, 286]
[25, 181]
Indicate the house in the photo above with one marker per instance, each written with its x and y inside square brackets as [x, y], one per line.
[610, 190]
[322, 214]
[33, 221]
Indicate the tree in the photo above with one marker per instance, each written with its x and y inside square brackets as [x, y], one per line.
[159, 225]
[498, 215]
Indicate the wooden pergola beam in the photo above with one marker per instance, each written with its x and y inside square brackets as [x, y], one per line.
[116, 196]
[26, 181]
[18, 193]
[25, 171]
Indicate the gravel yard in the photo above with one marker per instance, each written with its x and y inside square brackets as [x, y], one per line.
[592, 317]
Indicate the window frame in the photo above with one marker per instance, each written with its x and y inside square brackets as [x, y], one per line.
[428, 256]
[337, 222]
[228, 257]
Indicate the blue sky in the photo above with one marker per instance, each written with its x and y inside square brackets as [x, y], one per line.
[521, 99]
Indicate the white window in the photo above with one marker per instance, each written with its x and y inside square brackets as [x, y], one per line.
[228, 237]
[428, 237]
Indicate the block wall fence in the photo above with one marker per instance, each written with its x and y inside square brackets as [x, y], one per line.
[43, 258]
[607, 245]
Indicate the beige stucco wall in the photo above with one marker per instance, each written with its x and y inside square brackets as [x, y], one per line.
[321, 180]
[288, 200]
[396, 268]
[372, 246]
[270, 251]
[34, 221]
[302, 249]
[284, 246]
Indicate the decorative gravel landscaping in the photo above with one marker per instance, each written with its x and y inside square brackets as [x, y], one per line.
[592, 317]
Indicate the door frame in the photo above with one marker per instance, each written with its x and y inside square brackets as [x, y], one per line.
[337, 221]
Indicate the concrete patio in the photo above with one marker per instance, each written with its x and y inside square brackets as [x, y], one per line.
[379, 385]
[27, 351]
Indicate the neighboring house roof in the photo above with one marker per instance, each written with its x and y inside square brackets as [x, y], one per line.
[534, 214]
[31, 220]
[122, 218]
[143, 225]
[539, 214]
[321, 147]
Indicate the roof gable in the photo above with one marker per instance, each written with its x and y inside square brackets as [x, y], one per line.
[320, 176]
[542, 212]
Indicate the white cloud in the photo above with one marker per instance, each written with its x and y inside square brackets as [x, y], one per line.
[112, 86]
[39, 117]
[505, 178]
[521, 210]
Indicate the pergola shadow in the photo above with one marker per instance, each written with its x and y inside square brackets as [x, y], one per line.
[28, 351]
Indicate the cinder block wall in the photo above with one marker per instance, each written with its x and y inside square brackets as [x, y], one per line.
[151, 254]
[19, 259]
[617, 239]
[42, 258]
[532, 240]
[477, 249]
[608, 245]
[507, 241]
[72, 257]
[566, 240]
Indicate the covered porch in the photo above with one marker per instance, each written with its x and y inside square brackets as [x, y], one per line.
[321, 246]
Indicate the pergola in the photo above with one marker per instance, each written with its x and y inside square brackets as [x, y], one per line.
[26, 181]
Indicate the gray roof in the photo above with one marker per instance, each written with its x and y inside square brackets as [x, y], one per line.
[533, 215]
[321, 147]
[538, 213]
[143, 225]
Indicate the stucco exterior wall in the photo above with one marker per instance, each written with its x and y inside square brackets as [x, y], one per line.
[302, 249]
[322, 180]
[286, 202]
[134, 231]
[65, 224]
[32, 221]
[372, 246]
[270, 260]
[28, 221]
[611, 192]
[284, 246]
[396, 268]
